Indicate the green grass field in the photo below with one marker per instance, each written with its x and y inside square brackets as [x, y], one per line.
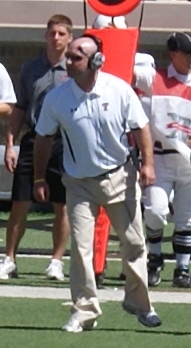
[37, 240]
[36, 323]
[32, 273]
[38, 235]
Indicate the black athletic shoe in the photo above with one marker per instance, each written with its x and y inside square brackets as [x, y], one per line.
[154, 266]
[150, 319]
[99, 278]
[181, 278]
[122, 276]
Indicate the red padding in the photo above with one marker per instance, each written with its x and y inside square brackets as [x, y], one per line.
[102, 229]
[114, 8]
[119, 48]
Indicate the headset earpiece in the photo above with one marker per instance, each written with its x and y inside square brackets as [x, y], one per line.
[97, 59]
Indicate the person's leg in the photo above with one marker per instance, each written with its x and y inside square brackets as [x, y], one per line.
[14, 233]
[126, 218]
[60, 228]
[16, 227]
[60, 231]
[82, 213]
[60, 234]
[127, 223]
[21, 200]
[156, 210]
[182, 231]
[155, 214]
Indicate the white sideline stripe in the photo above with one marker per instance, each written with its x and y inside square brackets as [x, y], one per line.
[68, 257]
[103, 294]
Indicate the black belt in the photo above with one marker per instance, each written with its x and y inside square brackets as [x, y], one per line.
[111, 171]
[164, 152]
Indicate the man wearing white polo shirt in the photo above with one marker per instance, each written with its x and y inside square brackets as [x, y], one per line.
[7, 100]
[7, 94]
[142, 79]
[93, 121]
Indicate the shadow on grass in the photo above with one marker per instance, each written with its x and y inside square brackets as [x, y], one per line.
[36, 328]
[44, 225]
[148, 331]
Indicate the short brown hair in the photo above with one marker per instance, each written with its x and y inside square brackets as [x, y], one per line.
[60, 18]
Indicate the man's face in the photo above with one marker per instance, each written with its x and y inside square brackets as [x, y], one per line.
[58, 37]
[76, 63]
[77, 56]
[181, 62]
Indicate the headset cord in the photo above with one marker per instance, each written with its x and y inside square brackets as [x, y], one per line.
[141, 15]
[85, 15]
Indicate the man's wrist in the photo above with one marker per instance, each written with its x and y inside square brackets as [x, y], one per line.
[9, 145]
[38, 181]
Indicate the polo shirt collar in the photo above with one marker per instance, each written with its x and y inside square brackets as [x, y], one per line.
[171, 71]
[95, 92]
[61, 64]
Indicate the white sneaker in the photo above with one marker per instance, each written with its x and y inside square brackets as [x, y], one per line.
[74, 326]
[8, 268]
[55, 270]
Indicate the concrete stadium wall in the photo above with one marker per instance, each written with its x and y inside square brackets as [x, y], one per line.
[13, 55]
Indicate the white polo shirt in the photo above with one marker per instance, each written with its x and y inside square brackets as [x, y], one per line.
[93, 125]
[7, 94]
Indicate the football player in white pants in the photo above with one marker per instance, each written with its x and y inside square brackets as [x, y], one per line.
[170, 122]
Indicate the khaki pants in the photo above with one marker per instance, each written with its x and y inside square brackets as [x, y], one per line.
[119, 193]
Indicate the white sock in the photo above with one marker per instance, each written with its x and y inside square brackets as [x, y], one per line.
[154, 248]
[182, 260]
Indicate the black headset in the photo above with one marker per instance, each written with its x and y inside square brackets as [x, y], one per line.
[96, 59]
[172, 42]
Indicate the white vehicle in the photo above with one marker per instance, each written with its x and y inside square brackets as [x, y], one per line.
[6, 178]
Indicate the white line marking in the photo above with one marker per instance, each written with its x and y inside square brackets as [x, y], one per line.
[103, 294]
[39, 256]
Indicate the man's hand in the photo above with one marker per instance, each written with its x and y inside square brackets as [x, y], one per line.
[41, 191]
[144, 142]
[188, 141]
[147, 175]
[10, 158]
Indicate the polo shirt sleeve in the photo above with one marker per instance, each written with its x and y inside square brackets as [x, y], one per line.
[135, 114]
[47, 124]
[7, 94]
